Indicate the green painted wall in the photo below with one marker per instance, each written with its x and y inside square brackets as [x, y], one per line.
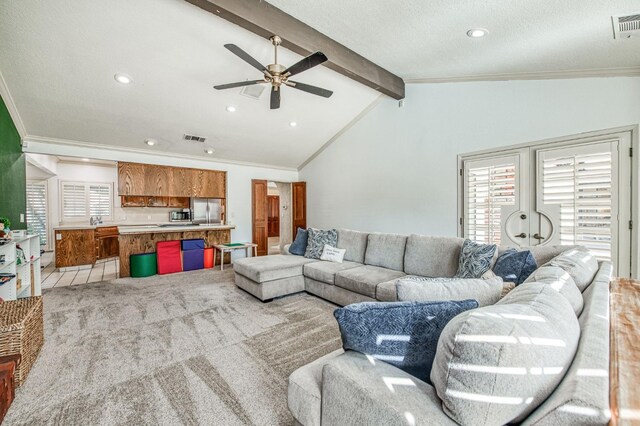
[13, 179]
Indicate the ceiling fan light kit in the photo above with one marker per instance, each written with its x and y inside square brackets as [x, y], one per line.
[277, 74]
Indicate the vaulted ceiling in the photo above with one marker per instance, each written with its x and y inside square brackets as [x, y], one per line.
[426, 39]
[59, 59]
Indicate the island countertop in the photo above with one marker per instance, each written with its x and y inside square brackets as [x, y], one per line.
[153, 229]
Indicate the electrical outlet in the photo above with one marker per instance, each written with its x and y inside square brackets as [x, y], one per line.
[149, 217]
[21, 217]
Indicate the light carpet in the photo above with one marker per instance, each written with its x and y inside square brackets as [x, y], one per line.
[187, 348]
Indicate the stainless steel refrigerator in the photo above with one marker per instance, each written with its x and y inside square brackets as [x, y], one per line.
[206, 210]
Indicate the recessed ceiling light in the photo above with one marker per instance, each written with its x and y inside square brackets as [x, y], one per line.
[231, 108]
[477, 32]
[123, 78]
[209, 151]
[85, 159]
[150, 142]
[293, 124]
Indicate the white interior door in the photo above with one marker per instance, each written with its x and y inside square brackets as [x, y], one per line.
[495, 204]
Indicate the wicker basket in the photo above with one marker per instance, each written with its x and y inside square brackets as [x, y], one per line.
[22, 332]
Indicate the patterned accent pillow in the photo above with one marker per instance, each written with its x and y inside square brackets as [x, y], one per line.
[403, 334]
[515, 266]
[475, 259]
[317, 239]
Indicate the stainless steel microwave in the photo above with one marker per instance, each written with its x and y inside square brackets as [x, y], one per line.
[183, 215]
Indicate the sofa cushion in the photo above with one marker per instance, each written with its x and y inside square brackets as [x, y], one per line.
[354, 242]
[579, 263]
[326, 271]
[475, 259]
[358, 390]
[364, 279]
[386, 291]
[583, 395]
[269, 268]
[560, 281]
[432, 256]
[496, 364]
[299, 245]
[403, 334]
[317, 239]
[485, 292]
[386, 251]
[515, 266]
[304, 396]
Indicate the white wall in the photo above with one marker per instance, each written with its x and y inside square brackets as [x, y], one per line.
[238, 178]
[395, 169]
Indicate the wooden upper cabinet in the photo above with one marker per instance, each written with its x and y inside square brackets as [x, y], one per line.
[131, 179]
[158, 181]
[166, 181]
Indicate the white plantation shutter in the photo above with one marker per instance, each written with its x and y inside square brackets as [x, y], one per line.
[81, 200]
[74, 201]
[37, 210]
[100, 200]
[489, 187]
[581, 184]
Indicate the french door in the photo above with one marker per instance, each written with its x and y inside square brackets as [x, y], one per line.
[572, 192]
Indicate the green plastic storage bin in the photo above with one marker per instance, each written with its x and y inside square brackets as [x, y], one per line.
[143, 265]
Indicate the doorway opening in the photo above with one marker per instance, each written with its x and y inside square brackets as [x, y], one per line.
[278, 208]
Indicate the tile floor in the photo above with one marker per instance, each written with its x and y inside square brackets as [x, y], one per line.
[103, 270]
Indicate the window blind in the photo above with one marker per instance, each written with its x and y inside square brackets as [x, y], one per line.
[488, 189]
[100, 200]
[582, 186]
[37, 210]
[74, 200]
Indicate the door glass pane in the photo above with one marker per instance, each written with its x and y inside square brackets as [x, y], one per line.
[489, 188]
[581, 185]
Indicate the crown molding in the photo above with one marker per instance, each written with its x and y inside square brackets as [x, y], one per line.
[11, 106]
[548, 75]
[80, 144]
[342, 131]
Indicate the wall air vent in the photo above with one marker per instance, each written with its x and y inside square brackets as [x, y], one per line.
[253, 92]
[193, 138]
[626, 26]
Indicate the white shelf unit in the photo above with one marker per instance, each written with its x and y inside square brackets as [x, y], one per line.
[28, 272]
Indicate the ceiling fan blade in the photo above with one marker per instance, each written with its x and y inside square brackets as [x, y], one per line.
[306, 63]
[238, 84]
[275, 98]
[310, 89]
[247, 58]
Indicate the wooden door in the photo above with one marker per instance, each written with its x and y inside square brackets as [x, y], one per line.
[259, 215]
[298, 206]
[274, 216]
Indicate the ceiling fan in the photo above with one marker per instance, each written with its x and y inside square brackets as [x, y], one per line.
[277, 74]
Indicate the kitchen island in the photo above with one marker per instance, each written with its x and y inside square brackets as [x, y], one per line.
[136, 239]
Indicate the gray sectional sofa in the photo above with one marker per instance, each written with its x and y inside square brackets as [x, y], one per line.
[529, 359]
[372, 264]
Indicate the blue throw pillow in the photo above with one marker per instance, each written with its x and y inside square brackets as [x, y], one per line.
[404, 334]
[515, 266]
[299, 245]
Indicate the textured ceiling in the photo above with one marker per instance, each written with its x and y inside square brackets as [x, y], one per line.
[59, 57]
[426, 39]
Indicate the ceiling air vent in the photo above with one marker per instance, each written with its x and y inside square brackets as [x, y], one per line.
[253, 92]
[626, 26]
[193, 138]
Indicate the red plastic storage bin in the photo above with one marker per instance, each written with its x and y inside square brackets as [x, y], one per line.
[169, 257]
[208, 258]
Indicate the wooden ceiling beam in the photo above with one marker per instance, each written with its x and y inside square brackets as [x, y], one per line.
[266, 20]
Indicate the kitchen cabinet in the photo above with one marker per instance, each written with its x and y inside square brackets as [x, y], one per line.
[106, 238]
[136, 179]
[75, 247]
[140, 201]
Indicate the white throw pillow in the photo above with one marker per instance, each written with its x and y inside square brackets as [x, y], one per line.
[332, 254]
